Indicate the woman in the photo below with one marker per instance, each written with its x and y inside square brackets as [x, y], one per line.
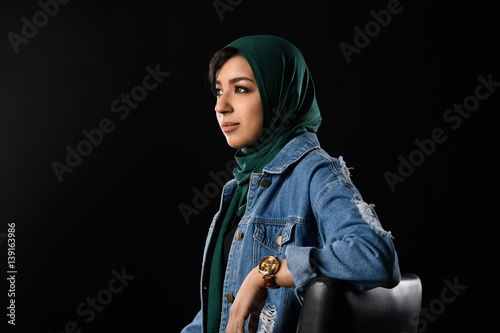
[291, 213]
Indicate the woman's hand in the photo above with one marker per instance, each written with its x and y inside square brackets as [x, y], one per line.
[251, 299]
[248, 302]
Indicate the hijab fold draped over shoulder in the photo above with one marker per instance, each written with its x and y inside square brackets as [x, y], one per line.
[289, 109]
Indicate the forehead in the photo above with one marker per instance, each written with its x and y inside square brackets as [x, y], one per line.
[233, 67]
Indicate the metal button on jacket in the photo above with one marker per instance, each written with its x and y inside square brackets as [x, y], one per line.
[239, 235]
[230, 298]
[278, 240]
[265, 183]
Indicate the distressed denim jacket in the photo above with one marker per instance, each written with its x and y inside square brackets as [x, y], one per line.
[304, 208]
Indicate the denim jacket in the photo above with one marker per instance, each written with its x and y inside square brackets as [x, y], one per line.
[304, 208]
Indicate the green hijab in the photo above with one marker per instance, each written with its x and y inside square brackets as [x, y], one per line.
[289, 109]
[288, 99]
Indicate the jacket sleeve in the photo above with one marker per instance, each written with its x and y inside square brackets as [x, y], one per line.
[353, 245]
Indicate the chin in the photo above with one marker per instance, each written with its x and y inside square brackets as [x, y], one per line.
[234, 145]
[237, 143]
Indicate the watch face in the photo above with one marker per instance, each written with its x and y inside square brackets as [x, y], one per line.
[268, 264]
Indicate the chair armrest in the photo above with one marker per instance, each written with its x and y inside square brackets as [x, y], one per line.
[318, 305]
[331, 305]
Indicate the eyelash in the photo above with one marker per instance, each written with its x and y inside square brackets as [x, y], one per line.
[236, 90]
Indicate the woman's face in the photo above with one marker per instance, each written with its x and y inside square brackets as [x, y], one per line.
[238, 108]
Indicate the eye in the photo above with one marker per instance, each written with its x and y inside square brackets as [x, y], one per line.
[240, 90]
[217, 92]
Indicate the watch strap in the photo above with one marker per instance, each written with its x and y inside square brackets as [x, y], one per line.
[271, 282]
[268, 276]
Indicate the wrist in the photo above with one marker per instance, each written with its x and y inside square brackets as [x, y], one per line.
[257, 278]
[268, 267]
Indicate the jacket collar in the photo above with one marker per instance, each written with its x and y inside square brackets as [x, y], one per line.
[292, 152]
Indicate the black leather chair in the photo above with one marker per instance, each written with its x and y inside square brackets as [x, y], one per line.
[331, 305]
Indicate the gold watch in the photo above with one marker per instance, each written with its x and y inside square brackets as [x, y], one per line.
[268, 266]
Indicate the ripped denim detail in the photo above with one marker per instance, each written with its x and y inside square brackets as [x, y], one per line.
[267, 318]
[345, 168]
[368, 213]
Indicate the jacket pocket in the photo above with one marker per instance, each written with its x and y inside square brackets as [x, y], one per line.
[273, 236]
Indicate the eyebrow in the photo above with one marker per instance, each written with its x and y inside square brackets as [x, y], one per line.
[236, 79]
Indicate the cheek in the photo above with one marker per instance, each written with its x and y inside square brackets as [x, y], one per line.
[254, 119]
[256, 112]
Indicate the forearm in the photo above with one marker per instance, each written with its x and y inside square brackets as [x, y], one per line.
[363, 262]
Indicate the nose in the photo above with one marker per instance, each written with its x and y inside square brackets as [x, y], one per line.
[223, 104]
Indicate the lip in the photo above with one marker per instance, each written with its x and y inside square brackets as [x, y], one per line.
[228, 126]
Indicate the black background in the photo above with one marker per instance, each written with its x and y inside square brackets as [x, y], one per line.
[119, 209]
